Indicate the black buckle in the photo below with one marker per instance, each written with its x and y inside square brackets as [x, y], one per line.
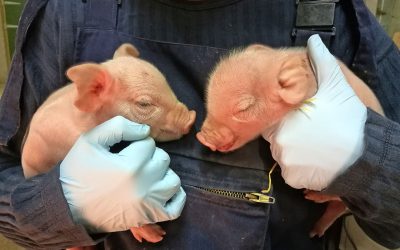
[315, 15]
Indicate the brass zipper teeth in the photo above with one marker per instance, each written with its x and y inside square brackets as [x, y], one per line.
[259, 197]
[250, 196]
[231, 194]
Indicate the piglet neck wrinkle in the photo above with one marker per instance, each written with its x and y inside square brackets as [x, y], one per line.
[87, 120]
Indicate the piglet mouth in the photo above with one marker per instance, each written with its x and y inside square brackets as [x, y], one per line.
[212, 146]
[181, 126]
[225, 148]
[163, 135]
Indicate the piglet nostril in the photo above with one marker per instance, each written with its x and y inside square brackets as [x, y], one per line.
[187, 127]
[200, 136]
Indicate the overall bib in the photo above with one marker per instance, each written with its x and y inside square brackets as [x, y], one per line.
[215, 215]
[209, 220]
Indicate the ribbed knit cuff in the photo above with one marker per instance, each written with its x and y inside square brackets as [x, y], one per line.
[41, 209]
[370, 187]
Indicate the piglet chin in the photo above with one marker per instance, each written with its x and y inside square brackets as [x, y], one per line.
[221, 148]
[165, 135]
[170, 133]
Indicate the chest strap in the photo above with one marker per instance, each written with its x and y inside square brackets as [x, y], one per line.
[101, 14]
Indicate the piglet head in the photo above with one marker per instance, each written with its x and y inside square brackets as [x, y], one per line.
[231, 123]
[133, 88]
[249, 92]
[234, 103]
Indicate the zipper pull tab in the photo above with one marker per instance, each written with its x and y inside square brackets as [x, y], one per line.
[260, 198]
[263, 197]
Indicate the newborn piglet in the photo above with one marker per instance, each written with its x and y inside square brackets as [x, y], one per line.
[252, 90]
[124, 86]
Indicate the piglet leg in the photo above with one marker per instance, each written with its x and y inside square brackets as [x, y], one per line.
[333, 211]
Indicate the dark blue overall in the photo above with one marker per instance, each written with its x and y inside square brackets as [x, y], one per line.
[185, 46]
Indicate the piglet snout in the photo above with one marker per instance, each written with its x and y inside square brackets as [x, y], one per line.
[178, 123]
[201, 136]
[189, 123]
[221, 139]
[184, 119]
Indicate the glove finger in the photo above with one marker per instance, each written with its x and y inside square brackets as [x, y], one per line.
[166, 188]
[175, 205]
[156, 168]
[116, 130]
[138, 153]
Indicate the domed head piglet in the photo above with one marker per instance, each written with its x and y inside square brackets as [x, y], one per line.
[133, 88]
[250, 91]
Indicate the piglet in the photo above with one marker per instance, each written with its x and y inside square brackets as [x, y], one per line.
[252, 89]
[126, 86]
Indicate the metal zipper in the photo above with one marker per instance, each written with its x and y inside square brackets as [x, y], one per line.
[259, 197]
[248, 196]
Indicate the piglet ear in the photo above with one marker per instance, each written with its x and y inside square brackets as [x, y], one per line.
[126, 49]
[93, 83]
[296, 80]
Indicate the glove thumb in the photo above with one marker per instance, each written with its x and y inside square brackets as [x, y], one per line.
[116, 130]
[322, 61]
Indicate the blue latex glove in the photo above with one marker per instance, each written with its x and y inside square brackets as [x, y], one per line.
[109, 192]
[316, 143]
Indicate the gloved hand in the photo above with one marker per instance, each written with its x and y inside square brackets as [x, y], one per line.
[109, 192]
[319, 141]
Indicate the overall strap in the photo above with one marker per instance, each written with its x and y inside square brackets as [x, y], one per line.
[314, 17]
[364, 63]
[101, 14]
[10, 110]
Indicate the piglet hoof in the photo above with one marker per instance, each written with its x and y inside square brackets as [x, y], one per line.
[333, 211]
[151, 232]
[318, 197]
